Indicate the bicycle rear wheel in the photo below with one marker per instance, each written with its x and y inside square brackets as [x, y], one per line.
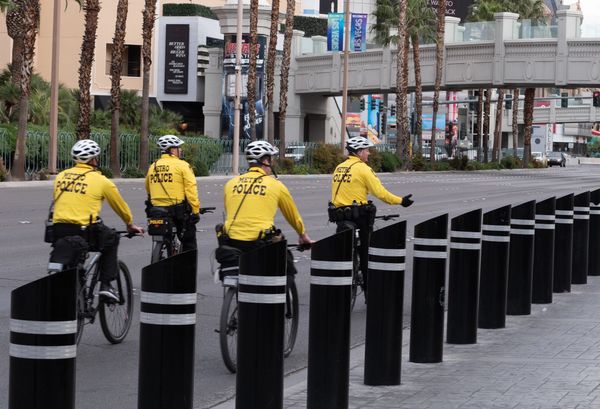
[161, 250]
[228, 329]
[80, 315]
[115, 318]
[357, 280]
[291, 316]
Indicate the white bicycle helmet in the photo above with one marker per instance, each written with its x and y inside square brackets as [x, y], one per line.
[168, 141]
[358, 142]
[85, 150]
[257, 149]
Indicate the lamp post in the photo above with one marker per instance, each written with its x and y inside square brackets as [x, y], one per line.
[345, 85]
[238, 91]
[52, 145]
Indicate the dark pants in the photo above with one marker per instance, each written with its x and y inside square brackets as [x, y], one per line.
[246, 246]
[100, 238]
[188, 239]
[364, 234]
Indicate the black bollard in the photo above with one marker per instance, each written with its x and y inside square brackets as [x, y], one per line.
[581, 237]
[520, 260]
[261, 327]
[383, 342]
[42, 350]
[329, 322]
[495, 240]
[463, 278]
[563, 244]
[167, 330]
[429, 280]
[543, 253]
[594, 243]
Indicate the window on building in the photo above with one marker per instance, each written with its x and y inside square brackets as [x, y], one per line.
[132, 60]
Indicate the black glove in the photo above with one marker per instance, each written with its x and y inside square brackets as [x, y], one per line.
[194, 218]
[406, 200]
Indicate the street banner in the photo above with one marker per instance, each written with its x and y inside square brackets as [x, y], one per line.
[358, 32]
[335, 32]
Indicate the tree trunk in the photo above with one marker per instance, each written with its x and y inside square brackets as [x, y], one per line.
[270, 67]
[528, 123]
[402, 130]
[479, 123]
[116, 67]
[147, 29]
[418, 93]
[439, 64]
[515, 121]
[30, 18]
[498, 127]
[86, 60]
[285, 71]
[486, 124]
[252, 68]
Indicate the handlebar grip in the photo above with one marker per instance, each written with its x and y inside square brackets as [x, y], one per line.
[206, 210]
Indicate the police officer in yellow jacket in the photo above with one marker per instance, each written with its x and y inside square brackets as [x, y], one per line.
[78, 196]
[252, 200]
[171, 183]
[352, 181]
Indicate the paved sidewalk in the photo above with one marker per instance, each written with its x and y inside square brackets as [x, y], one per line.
[549, 359]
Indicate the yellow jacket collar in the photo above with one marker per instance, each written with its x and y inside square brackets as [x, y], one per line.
[353, 158]
[167, 156]
[257, 169]
[84, 166]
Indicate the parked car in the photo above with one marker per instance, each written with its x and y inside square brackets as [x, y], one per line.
[295, 152]
[540, 157]
[557, 158]
[440, 153]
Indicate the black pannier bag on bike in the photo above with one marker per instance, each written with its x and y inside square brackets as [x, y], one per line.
[160, 221]
[227, 256]
[69, 251]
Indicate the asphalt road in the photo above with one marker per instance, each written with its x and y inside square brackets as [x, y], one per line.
[107, 374]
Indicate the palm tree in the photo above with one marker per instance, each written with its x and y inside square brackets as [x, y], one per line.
[486, 123]
[29, 12]
[420, 23]
[402, 137]
[528, 124]
[515, 120]
[439, 64]
[285, 71]
[86, 60]
[498, 127]
[252, 68]
[270, 66]
[15, 30]
[116, 66]
[148, 16]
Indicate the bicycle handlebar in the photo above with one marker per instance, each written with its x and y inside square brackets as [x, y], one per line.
[125, 233]
[206, 210]
[388, 217]
[300, 247]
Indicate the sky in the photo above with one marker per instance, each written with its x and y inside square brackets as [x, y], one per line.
[591, 17]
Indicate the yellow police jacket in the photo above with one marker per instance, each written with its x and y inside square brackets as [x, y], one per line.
[79, 192]
[170, 181]
[263, 195]
[355, 180]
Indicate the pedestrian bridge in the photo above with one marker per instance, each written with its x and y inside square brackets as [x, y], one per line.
[566, 61]
[557, 115]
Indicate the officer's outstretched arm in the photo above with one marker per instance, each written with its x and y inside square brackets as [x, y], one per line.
[375, 187]
[116, 202]
[191, 189]
[290, 211]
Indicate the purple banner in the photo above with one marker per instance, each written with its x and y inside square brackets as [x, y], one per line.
[358, 32]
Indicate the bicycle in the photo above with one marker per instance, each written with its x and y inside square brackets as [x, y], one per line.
[115, 316]
[358, 284]
[166, 240]
[228, 325]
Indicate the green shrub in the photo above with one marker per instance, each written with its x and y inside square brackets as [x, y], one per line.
[3, 171]
[457, 163]
[302, 170]
[418, 162]
[390, 162]
[106, 171]
[133, 173]
[284, 166]
[511, 162]
[175, 9]
[442, 165]
[312, 26]
[375, 160]
[325, 157]
[491, 166]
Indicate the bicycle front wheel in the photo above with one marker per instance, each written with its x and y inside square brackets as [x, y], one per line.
[115, 317]
[161, 250]
[291, 316]
[356, 280]
[228, 329]
[80, 315]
